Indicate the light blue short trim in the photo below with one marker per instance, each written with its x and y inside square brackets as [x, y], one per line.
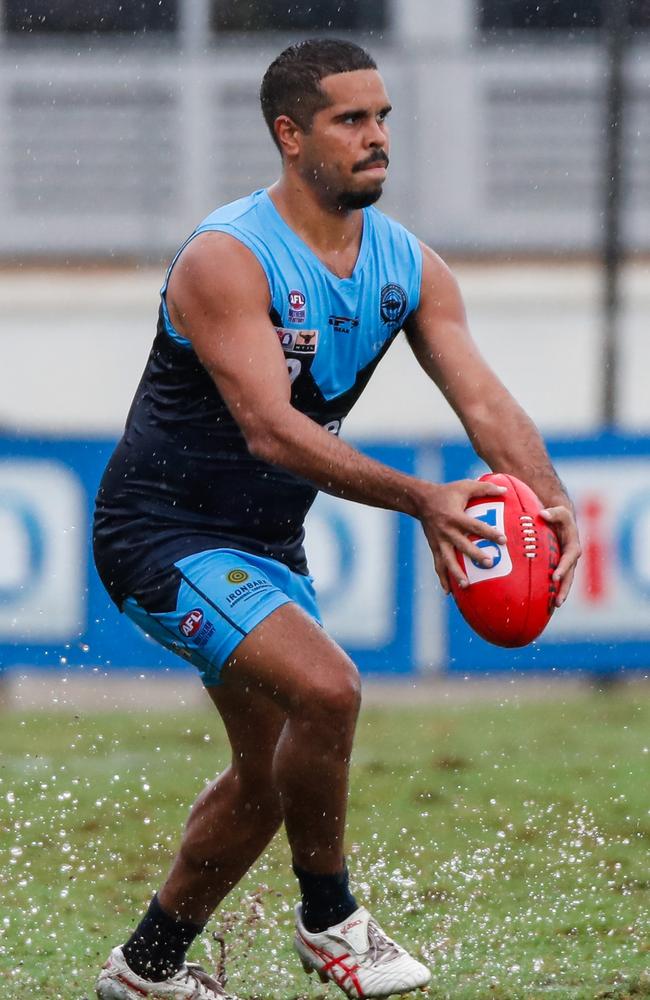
[223, 595]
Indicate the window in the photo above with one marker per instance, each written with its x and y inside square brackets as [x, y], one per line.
[298, 15]
[554, 14]
[98, 16]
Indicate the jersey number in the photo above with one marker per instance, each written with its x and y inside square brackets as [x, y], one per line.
[294, 367]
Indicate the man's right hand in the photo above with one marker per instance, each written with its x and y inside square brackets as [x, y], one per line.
[441, 511]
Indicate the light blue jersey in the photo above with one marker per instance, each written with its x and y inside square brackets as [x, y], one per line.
[335, 329]
[182, 480]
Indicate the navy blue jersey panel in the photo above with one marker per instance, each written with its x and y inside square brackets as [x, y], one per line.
[181, 479]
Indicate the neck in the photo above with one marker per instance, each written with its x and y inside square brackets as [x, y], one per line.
[327, 229]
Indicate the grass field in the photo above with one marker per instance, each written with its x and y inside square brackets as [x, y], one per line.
[507, 844]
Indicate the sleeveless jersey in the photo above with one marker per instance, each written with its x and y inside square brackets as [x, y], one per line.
[181, 479]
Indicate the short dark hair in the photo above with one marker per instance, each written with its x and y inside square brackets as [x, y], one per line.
[291, 84]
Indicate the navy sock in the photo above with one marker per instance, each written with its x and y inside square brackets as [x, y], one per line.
[326, 899]
[157, 948]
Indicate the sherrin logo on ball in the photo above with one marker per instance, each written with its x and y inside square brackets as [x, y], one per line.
[493, 513]
[510, 603]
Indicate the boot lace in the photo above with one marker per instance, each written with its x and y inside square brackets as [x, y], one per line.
[215, 985]
[381, 949]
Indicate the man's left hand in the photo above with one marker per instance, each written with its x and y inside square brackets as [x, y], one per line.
[563, 520]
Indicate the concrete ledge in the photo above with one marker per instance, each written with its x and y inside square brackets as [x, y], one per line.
[44, 691]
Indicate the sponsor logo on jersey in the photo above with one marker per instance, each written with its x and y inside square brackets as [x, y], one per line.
[343, 324]
[297, 341]
[237, 576]
[297, 306]
[393, 304]
[306, 342]
[191, 623]
[286, 337]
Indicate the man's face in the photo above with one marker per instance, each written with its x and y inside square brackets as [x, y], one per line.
[345, 153]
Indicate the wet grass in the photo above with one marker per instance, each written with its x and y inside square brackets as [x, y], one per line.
[506, 844]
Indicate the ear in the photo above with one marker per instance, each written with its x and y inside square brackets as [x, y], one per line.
[288, 135]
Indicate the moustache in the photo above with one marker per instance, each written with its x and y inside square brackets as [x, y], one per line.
[378, 157]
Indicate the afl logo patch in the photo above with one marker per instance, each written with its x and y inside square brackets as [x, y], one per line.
[191, 623]
[237, 576]
[393, 304]
[297, 306]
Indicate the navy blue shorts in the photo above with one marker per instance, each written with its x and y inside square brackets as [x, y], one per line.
[223, 594]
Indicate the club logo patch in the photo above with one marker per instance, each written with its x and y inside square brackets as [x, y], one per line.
[297, 306]
[393, 304]
[191, 623]
[237, 576]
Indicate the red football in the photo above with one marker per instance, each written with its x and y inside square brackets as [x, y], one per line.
[511, 602]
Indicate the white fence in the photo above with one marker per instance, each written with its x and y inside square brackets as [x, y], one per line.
[116, 150]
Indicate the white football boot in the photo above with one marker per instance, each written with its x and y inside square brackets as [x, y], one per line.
[359, 957]
[117, 982]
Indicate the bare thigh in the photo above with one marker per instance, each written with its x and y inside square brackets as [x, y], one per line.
[289, 660]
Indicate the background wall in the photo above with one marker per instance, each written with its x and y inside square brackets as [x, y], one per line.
[74, 344]
[123, 125]
[117, 142]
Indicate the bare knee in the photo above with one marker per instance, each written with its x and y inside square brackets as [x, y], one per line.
[330, 696]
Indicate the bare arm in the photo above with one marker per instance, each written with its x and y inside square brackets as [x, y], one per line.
[501, 432]
[218, 297]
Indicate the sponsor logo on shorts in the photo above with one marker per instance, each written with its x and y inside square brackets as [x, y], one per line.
[297, 306]
[205, 635]
[393, 303]
[191, 623]
[237, 576]
[247, 590]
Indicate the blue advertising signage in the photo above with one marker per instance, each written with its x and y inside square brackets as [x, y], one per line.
[373, 571]
[54, 611]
